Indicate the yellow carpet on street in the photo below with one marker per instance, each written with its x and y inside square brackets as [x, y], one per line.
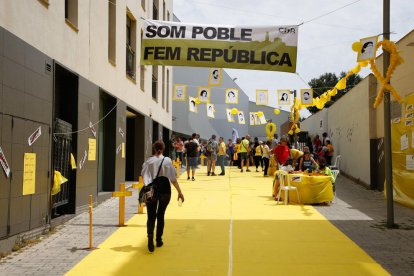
[230, 225]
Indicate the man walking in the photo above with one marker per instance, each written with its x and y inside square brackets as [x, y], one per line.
[192, 149]
[211, 153]
[245, 153]
[221, 155]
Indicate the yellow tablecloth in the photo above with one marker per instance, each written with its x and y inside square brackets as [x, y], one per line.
[312, 189]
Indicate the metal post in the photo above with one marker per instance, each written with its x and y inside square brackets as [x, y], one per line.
[387, 123]
[295, 135]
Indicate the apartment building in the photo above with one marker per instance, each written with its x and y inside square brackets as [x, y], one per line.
[72, 68]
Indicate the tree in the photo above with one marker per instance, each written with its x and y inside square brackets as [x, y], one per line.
[328, 81]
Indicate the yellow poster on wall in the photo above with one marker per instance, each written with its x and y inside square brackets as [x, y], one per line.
[29, 173]
[402, 133]
[92, 149]
[123, 150]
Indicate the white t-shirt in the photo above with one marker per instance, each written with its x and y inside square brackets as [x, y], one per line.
[266, 152]
[150, 169]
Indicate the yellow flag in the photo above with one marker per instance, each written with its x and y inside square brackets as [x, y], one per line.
[58, 180]
[72, 161]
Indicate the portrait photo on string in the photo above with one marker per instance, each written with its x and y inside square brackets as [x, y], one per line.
[179, 92]
[204, 94]
[192, 105]
[215, 76]
[283, 97]
[210, 110]
[232, 96]
[367, 51]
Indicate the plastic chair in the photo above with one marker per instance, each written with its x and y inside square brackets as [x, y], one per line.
[284, 176]
[335, 174]
[336, 165]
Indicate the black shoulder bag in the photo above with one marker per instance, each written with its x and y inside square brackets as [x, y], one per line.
[149, 193]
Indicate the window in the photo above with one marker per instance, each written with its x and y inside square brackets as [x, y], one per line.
[112, 31]
[155, 82]
[168, 90]
[163, 86]
[71, 13]
[143, 4]
[130, 45]
[155, 10]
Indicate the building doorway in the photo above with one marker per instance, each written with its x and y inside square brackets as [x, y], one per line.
[135, 136]
[107, 142]
[65, 123]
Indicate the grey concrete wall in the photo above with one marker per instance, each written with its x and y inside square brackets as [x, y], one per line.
[349, 123]
[26, 95]
[278, 120]
[87, 177]
[188, 122]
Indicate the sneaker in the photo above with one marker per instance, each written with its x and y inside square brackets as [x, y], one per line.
[222, 173]
[257, 170]
[241, 170]
[193, 179]
[213, 174]
[208, 174]
[150, 245]
[247, 170]
[188, 178]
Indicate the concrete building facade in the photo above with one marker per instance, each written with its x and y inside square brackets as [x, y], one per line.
[67, 66]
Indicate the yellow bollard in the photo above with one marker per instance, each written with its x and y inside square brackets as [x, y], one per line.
[122, 194]
[139, 186]
[90, 221]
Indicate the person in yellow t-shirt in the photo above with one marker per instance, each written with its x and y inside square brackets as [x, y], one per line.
[238, 152]
[221, 155]
[258, 154]
[245, 152]
[329, 155]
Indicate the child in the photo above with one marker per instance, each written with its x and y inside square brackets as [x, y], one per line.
[323, 169]
[306, 162]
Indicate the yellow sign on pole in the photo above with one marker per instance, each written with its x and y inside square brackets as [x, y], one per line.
[123, 150]
[29, 173]
[92, 149]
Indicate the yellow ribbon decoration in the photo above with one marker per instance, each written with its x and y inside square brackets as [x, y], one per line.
[270, 130]
[320, 101]
[396, 60]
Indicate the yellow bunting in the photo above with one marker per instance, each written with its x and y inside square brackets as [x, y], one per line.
[341, 85]
[72, 161]
[357, 46]
[395, 60]
[260, 113]
[197, 101]
[234, 111]
[277, 111]
[363, 63]
[356, 69]
[270, 130]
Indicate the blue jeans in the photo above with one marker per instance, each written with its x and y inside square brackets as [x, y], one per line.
[220, 162]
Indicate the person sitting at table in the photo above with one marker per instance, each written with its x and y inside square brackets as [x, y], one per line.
[324, 169]
[282, 151]
[307, 162]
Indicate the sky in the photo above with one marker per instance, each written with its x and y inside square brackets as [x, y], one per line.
[324, 43]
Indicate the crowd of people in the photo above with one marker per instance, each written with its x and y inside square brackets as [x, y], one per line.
[247, 152]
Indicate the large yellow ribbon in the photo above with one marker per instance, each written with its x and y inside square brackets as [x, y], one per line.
[395, 60]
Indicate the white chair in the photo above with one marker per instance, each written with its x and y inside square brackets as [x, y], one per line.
[336, 165]
[284, 184]
[335, 174]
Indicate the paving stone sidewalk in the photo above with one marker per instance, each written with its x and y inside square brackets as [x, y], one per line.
[361, 214]
[58, 253]
[358, 212]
